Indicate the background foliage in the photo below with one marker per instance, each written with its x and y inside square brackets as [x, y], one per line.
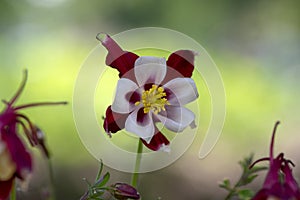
[256, 45]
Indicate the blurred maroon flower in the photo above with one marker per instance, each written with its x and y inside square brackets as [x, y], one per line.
[124, 191]
[15, 160]
[150, 90]
[279, 182]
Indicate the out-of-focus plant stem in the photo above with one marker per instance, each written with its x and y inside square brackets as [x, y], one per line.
[135, 175]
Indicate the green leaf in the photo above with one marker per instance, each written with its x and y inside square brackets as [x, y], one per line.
[100, 171]
[245, 194]
[250, 178]
[247, 176]
[225, 184]
[258, 169]
[103, 181]
[246, 162]
[246, 180]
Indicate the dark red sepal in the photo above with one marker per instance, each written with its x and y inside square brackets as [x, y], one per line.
[18, 152]
[5, 188]
[113, 121]
[157, 141]
[183, 62]
[121, 60]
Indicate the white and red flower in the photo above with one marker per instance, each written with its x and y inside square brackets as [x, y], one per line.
[150, 90]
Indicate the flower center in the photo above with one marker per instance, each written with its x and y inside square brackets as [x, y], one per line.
[153, 99]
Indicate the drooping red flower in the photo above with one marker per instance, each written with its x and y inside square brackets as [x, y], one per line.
[280, 182]
[150, 90]
[15, 159]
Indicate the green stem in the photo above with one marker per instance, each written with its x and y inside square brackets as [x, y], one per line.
[13, 193]
[230, 194]
[99, 172]
[135, 174]
[51, 174]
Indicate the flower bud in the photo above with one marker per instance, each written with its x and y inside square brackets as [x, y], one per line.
[124, 191]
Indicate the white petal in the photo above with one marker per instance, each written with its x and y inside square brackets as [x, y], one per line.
[183, 90]
[165, 148]
[177, 118]
[144, 130]
[149, 69]
[121, 104]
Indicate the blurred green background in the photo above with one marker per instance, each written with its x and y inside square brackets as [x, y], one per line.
[255, 44]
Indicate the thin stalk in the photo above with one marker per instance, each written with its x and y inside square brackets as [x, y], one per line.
[230, 195]
[135, 175]
[21, 88]
[13, 193]
[40, 104]
[51, 175]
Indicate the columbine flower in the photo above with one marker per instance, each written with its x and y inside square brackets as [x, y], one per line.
[279, 182]
[15, 160]
[150, 90]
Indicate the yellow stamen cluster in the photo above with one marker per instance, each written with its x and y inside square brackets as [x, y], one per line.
[153, 99]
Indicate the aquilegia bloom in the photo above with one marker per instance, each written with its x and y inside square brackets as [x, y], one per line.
[279, 182]
[15, 160]
[150, 90]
